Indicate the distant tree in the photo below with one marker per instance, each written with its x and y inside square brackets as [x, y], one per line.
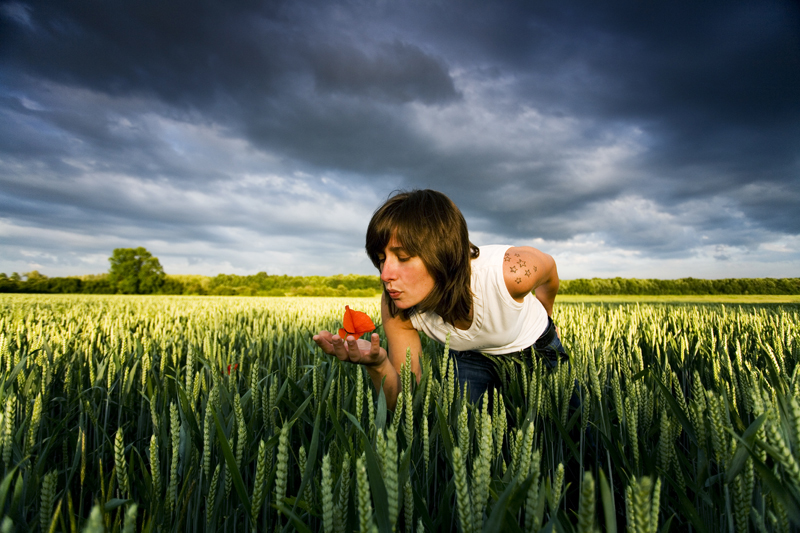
[172, 286]
[135, 271]
[97, 284]
[69, 285]
[34, 276]
[7, 284]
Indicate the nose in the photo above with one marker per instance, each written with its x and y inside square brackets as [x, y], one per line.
[388, 272]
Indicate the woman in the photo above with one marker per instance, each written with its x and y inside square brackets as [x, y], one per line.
[494, 300]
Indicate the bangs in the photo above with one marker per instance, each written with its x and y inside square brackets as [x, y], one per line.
[402, 220]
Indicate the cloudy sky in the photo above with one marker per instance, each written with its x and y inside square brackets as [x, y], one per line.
[625, 138]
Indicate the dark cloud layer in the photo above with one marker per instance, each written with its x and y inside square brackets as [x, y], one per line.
[616, 128]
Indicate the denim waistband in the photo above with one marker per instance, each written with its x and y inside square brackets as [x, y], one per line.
[547, 344]
[548, 335]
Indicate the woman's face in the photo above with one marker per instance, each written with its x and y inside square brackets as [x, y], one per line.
[406, 278]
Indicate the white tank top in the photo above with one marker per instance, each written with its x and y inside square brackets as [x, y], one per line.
[500, 324]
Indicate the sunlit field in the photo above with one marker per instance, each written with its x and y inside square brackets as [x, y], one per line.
[221, 414]
[727, 299]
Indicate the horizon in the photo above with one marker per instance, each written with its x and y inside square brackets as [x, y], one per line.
[375, 275]
[625, 140]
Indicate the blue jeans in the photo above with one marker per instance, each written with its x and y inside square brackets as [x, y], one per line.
[479, 374]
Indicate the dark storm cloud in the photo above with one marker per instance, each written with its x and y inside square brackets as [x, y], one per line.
[397, 72]
[658, 128]
[192, 54]
[182, 52]
[244, 65]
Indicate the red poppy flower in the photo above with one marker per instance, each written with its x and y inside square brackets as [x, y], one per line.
[235, 366]
[356, 323]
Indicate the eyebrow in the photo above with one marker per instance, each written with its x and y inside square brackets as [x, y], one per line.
[395, 250]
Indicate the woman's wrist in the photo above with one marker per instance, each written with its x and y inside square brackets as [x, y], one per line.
[379, 368]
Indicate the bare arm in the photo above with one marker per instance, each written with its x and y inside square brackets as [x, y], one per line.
[527, 269]
[401, 336]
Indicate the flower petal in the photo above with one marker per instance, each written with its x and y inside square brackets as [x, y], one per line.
[355, 323]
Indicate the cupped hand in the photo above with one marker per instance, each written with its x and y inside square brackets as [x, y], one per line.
[359, 351]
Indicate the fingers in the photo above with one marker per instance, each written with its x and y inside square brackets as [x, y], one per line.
[345, 349]
[349, 349]
[323, 340]
[352, 348]
[323, 335]
[375, 344]
[331, 345]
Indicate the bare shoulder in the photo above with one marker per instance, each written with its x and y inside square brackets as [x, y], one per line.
[524, 269]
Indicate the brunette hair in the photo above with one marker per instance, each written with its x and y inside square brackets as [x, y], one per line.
[429, 226]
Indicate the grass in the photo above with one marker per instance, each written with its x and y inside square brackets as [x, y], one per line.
[683, 298]
[683, 416]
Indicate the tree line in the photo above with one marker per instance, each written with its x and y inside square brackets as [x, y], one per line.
[137, 271]
[259, 284]
[683, 286]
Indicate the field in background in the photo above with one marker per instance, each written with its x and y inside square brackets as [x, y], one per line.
[685, 299]
[219, 413]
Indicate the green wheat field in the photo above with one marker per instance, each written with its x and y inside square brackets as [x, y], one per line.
[165, 413]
